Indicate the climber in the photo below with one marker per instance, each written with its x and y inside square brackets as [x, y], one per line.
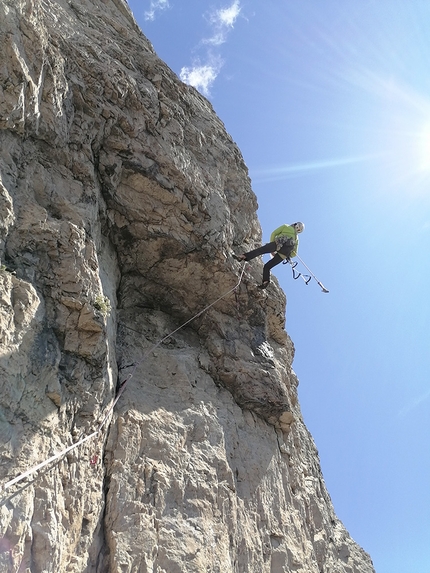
[283, 245]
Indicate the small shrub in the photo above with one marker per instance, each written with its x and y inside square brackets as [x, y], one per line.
[102, 303]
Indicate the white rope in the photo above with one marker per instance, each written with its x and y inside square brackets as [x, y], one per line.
[118, 395]
[46, 462]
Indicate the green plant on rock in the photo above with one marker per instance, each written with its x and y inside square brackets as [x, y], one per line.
[102, 303]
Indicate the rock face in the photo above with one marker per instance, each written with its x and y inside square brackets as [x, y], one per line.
[121, 197]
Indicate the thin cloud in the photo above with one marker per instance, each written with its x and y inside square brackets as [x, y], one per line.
[295, 169]
[222, 21]
[201, 77]
[228, 16]
[156, 6]
[216, 39]
[414, 404]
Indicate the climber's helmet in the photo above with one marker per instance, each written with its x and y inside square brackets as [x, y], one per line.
[299, 227]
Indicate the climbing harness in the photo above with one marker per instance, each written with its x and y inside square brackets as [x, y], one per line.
[119, 393]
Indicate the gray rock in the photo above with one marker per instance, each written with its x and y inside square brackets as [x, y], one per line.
[122, 197]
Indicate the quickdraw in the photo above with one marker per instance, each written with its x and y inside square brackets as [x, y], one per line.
[297, 274]
[306, 278]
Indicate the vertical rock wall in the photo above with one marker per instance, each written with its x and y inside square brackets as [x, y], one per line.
[121, 197]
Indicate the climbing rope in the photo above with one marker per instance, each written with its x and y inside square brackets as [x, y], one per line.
[119, 393]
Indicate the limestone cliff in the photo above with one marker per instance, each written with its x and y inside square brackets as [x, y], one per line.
[121, 197]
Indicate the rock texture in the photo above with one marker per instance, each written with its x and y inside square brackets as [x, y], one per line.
[121, 197]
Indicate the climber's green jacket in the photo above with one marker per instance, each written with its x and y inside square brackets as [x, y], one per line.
[289, 232]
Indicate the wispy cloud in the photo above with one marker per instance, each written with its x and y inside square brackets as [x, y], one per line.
[222, 21]
[202, 75]
[156, 6]
[295, 169]
[414, 404]
[228, 16]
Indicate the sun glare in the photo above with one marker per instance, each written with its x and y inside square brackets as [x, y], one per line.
[425, 148]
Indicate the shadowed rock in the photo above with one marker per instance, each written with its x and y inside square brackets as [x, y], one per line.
[122, 197]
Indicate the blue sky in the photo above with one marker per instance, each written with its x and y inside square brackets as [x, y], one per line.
[329, 102]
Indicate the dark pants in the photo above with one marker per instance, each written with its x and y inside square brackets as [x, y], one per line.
[269, 248]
